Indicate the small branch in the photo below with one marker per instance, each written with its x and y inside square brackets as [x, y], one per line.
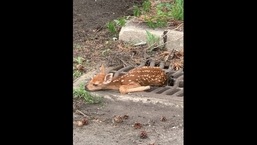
[164, 39]
[126, 64]
[77, 111]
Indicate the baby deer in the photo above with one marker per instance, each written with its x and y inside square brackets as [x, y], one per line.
[138, 79]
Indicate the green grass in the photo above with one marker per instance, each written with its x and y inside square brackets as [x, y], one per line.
[136, 11]
[146, 5]
[177, 10]
[79, 60]
[115, 25]
[76, 74]
[111, 27]
[161, 14]
[152, 40]
[120, 21]
[89, 98]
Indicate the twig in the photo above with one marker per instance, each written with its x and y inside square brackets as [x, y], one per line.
[126, 64]
[164, 39]
[77, 111]
[171, 54]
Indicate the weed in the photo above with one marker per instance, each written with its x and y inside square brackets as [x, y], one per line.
[111, 27]
[120, 22]
[89, 98]
[152, 40]
[177, 10]
[160, 14]
[146, 5]
[136, 11]
[115, 25]
[164, 10]
[76, 74]
[163, 15]
[79, 60]
[155, 22]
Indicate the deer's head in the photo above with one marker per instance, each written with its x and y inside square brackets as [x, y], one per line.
[99, 81]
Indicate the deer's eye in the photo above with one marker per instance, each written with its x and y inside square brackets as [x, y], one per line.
[95, 85]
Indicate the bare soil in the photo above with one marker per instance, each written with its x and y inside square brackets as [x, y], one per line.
[93, 42]
[163, 124]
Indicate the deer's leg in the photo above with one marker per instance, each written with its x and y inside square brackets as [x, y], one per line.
[134, 87]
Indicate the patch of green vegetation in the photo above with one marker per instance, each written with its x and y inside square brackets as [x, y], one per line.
[177, 10]
[152, 40]
[136, 11]
[120, 22]
[156, 22]
[79, 60]
[88, 97]
[111, 27]
[161, 14]
[146, 5]
[115, 25]
[77, 74]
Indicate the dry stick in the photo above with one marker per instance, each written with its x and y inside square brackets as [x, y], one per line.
[126, 64]
[82, 113]
[171, 52]
[164, 39]
[113, 68]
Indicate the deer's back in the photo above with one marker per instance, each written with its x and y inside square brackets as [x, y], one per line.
[145, 76]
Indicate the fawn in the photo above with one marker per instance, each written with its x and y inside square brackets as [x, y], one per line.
[137, 79]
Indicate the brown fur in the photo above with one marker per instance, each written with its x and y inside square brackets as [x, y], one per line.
[138, 79]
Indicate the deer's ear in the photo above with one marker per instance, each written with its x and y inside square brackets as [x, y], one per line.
[108, 78]
[102, 69]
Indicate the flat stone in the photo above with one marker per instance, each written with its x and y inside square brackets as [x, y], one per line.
[134, 32]
[175, 40]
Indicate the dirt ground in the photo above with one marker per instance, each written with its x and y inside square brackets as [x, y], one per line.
[89, 15]
[163, 124]
[93, 42]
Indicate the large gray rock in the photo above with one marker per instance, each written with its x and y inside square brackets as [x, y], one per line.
[134, 33]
